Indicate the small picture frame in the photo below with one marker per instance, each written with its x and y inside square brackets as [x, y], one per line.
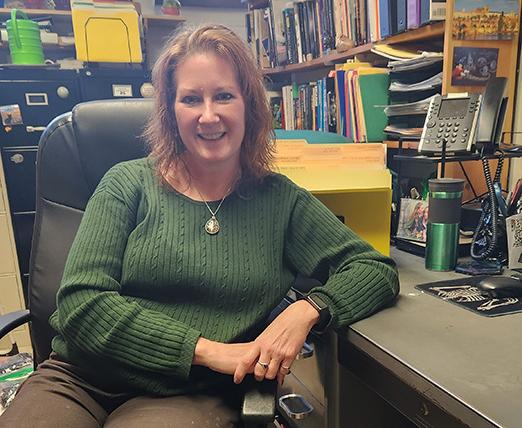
[413, 220]
[473, 66]
[11, 115]
[485, 19]
[514, 238]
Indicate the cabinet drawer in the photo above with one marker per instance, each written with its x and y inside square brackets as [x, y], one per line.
[20, 176]
[6, 251]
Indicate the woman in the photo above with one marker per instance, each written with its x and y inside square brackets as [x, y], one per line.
[181, 256]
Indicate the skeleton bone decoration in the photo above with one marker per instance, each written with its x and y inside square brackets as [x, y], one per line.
[468, 294]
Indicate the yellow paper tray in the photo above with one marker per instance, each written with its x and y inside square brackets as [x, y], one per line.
[106, 35]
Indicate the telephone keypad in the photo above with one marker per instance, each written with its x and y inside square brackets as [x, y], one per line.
[453, 127]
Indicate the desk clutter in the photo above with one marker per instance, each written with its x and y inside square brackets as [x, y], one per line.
[465, 294]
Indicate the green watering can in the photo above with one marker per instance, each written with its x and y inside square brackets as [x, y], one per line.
[25, 44]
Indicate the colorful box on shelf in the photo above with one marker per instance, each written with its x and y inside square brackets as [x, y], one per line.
[106, 31]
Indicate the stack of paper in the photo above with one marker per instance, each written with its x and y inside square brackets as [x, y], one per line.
[394, 53]
[397, 131]
[427, 59]
[406, 109]
[430, 83]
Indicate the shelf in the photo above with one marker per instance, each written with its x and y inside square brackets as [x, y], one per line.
[394, 144]
[46, 46]
[51, 12]
[455, 158]
[34, 12]
[425, 32]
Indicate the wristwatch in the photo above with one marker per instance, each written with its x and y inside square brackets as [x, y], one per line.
[324, 313]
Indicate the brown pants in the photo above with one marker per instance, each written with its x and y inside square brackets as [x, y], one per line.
[55, 396]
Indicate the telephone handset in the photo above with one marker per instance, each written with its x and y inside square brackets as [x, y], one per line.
[463, 119]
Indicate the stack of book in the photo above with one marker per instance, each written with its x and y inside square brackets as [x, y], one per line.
[309, 106]
[349, 101]
[289, 32]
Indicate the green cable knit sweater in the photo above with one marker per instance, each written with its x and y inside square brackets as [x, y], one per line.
[144, 281]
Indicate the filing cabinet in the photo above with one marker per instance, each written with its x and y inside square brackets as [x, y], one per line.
[108, 83]
[20, 173]
[41, 94]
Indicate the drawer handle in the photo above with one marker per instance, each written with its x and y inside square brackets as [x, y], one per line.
[35, 128]
[306, 351]
[295, 406]
[17, 158]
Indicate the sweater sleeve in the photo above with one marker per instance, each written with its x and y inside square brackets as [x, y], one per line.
[357, 280]
[92, 315]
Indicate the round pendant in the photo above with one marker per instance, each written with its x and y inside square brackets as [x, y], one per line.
[212, 226]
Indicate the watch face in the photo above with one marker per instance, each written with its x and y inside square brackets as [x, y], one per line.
[324, 313]
[318, 301]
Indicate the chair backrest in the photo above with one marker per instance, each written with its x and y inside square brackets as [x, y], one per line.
[74, 153]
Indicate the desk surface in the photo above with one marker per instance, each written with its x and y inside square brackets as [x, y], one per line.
[469, 364]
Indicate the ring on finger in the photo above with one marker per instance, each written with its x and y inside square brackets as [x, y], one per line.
[286, 369]
[264, 365]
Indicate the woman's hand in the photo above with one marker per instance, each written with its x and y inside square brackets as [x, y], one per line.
[275, 349]
[222, 357]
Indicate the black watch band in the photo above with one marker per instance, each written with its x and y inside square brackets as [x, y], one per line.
[324, 313]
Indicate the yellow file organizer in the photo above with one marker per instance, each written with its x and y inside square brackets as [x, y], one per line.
[359, 192]
[104, 35]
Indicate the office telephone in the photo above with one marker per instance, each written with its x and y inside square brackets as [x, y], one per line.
[464, 122]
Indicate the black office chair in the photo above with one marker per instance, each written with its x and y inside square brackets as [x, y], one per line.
[75, 151]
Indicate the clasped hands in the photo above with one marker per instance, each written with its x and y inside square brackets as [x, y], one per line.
[270, 355]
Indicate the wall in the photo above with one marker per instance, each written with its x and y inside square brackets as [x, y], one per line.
[232, 18]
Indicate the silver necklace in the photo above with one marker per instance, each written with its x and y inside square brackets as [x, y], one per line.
[212, 225]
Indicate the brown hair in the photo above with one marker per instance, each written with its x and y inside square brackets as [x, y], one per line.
[162, 132]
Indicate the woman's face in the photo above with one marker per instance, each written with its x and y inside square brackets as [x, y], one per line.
[210, 111]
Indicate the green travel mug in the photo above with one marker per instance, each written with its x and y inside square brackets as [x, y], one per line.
[442, 232]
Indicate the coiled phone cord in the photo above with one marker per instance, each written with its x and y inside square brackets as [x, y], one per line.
[488, 226]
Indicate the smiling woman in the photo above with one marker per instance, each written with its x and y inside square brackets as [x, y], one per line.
[210, 113]
[181, 257]
[222, 91]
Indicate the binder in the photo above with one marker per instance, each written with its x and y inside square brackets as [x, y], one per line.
[374, 96]
[401, 15]
[413, 13]
[384, 18]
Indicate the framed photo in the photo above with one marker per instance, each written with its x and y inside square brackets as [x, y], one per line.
[514, 238]
[473, 66]
[413, 220]
[485, 19]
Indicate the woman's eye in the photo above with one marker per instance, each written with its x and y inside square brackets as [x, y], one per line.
[190, 99]
[224, 96]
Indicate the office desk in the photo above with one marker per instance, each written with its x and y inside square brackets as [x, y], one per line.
[438, 364]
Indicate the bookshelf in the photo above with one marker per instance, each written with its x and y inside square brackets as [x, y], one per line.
[426, 32]
[157, 28]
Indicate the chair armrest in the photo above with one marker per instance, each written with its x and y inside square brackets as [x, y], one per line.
[12, 320]
[259, 402]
